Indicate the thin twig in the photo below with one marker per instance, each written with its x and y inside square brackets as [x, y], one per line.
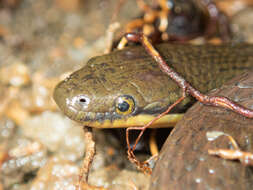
[90, 151]
[144, 166]
[244, 157]
[218, 101]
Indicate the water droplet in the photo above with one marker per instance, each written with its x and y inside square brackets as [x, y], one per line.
[212, 135]
[211, 171]
[198, 180]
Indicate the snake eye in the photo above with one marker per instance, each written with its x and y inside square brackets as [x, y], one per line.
[125, 105]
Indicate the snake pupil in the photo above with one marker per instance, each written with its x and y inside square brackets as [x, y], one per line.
[124, 106]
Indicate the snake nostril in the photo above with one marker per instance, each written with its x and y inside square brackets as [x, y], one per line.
[83, 100]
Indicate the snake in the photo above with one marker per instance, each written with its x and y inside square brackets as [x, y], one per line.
[126, 88]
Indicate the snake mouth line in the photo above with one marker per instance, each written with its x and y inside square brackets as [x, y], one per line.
[97, 116]
[113, 120]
